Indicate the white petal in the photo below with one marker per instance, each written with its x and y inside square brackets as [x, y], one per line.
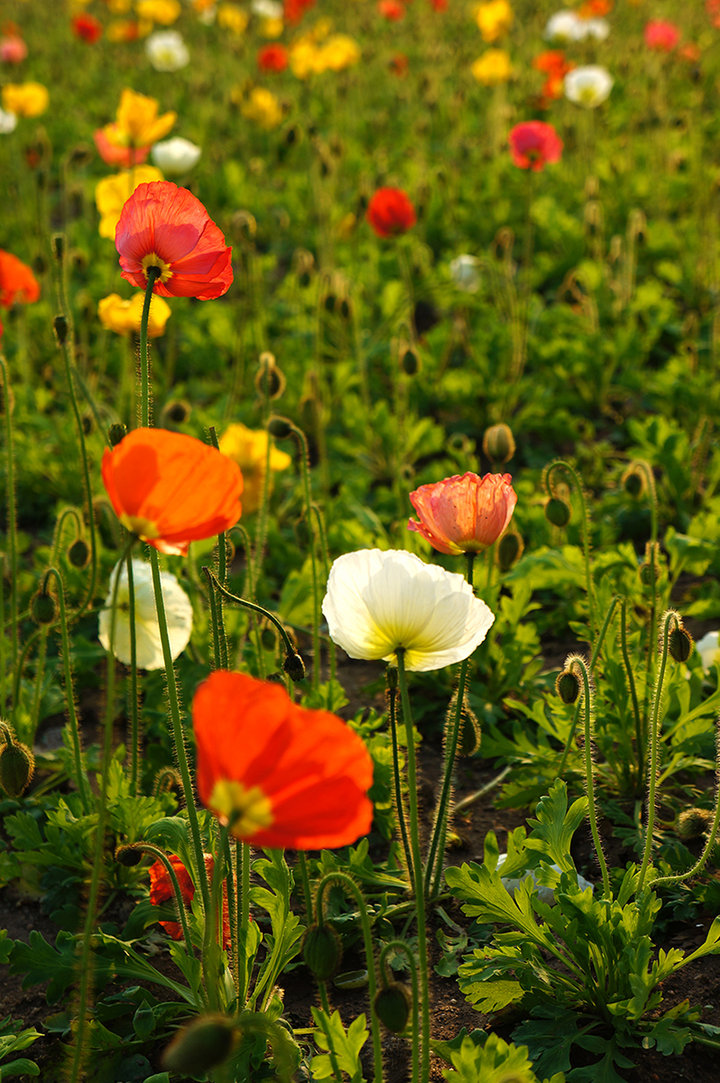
[148, 646]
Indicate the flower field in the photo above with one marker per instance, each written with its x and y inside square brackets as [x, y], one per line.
[360, 589]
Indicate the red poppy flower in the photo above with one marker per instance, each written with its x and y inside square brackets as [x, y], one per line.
[661, 35]
[399, 64]
[161, 891]
[166, 227]
[553, 63]
[87, 27]
[464, 514]
[171, 489]
[392, 10]
[293, 10]
[17, 282]
[390, 212]
[533, 144]
[282, 776]
[273, 58]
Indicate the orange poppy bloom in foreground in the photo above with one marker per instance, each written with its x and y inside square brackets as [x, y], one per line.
[166, 227]
[171, 489]
[17, 282]
[280, 775]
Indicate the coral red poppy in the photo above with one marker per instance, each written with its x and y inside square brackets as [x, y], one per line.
[553, 63]
[392, 10]
[533, 144]
[464, 513]
[87, 27]
[661, 35]
[118, 153]
[17, 282]
[293, 10]
[171, 489]
[280, 775]
[161, 891]
[273, 58]
[13, 49]
[166, 227]
[390, 212]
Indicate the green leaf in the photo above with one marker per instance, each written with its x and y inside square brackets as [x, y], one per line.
[345, 1045]
[555, 826]
[20, 1067]
[493, 1062]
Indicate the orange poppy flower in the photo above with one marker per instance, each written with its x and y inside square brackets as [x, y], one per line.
[171, 489]
[17, 282]
[282, 776]
[161, 891]
[390, 212]
[166, 227]
[464, 513]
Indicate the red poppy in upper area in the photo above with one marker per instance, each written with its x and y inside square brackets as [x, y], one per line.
[393, 10]
[390, 212]
[171, 489]
[533, 144]
[464, 513]
[17, 282]
[273, 58]
[553, 63]
[161, 891]
[439, 5]
[661, 35]
[166, 227]
[713, 9]
[281, 776]
[592, 8]
[293, 10]
[87, 27]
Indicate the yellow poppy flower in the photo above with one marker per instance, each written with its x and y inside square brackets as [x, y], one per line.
[111, 194]
[25, 99]
[263, 107]
[494, 19]
[248, 448]
[122, 317]
[164, 12]
[233, 18]
[137, 116]
[492, 68]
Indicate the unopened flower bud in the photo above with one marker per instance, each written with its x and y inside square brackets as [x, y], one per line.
[128, 856]
[116, 433]
[509, 550]
[567, 686]
[322, 951]
[176, 412]
[692, 823]
[557, 512]
[680, 644]
[409, 361]
[294, 667]
[202, 1045]
[499, 444]
[43, 607]
[650, 569]
[166, 780]
[633, 482]
[470, 732]
[60, 326]
[17, 767]
[78, 553]
[392, 1006]
[58, 246]
[279, 427]
[269, 380]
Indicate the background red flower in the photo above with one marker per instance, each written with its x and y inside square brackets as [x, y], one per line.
[390, 212]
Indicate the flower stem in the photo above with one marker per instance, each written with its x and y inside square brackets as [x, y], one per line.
[152, 274]
[579, 665]
[397, 781]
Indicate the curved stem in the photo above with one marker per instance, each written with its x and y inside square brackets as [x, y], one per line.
[578, 665]
[400, 945]
[640, 735]
[208, 572]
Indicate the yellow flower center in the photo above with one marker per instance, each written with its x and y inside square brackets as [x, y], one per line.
[153, 260]
[144, 528]
[246, 811]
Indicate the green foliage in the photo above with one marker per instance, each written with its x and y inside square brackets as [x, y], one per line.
[343, 1045]
[493, 1062]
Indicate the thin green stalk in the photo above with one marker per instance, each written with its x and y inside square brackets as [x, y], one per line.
[152, 274]
[562, 464]
[242, 859]
[289, 646]
[418, 885]
[305, 881]
[134, 683]
[436, 851]
[401, 946]
[640, 736]
[11, 511]
[578, 665]
[391, 677]
[156, 852]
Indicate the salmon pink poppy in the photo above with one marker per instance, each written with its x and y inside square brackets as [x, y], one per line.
[13, 49]
[533, 144]
[279, 775]
[661, 35]
[464, 513]
[390, 212]
[171, 489]
[165, 227]
[161, 891]
[17, 282]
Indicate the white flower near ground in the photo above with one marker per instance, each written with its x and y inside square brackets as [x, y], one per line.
[589, 86]
[464, 272]
[167, 51]
[148, 646]
[8, 122]
[709, 650]
[378, 601]
[545, 894]
[175, 156]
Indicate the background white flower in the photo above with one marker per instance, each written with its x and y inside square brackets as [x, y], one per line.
[176, 155]
[589, 86]
[267, 9]
[709, 649]
[378, 601]
[565, 27]
[464, 271]
[8, 122]
[545, 894]
[166, 50]
[147, 632]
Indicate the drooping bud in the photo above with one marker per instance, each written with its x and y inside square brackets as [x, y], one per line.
[294, 667]
[202, 1045]
[499, 443]
[17, 767]
[692, 823]
[78, 553]
[279, 427]
[392, 1006]
[128, 856]
[470, 732]
[61, 329]
[680, 644]
[509, 550]
[176, 412]
[557, 512]
[409, 361]
[633, 482]
[650, 569]
[116, 433]
[269, 380]
[322, 951]
[44, 607]
[567, 686]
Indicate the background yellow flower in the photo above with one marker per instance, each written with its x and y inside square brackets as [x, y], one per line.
[248, 448]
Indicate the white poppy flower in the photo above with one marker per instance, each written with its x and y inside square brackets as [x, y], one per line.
[589, 86]
[464, 271]
[564, 26]
[8, 122]
[545, 894]
[595, 28]
[378, 601]
[176, 155]
[148, 646]
[267, 9]
[709, 650]
[166, 50]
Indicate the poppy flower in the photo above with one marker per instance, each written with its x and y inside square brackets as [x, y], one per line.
[13, 49]
[399, 64]
[492, 68]
[148, 644]
[171, 489]
[390, 212]
[137, 119]
[293, 10]
[588, 86]
[17, 282]
[280, 775]
[378, 601]
[166, 227]
[494, 19]
[122, 317]
[661, 35]
[392, 10]
[464, 514]
[161, 891]
[175, 156]
[114, 149]
[533, 144]
[25, 99]
[249, 449]
[87, 28]
[272, 58]
[167, 51]
[112, 193]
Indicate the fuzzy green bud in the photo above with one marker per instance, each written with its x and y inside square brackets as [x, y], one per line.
[567, 686]
[692, 823]
[499, 443]
[128, 856]
[392, 1006]
[202, 1045]
[508, 550]
[680, 644]
[294, 667]
[176, 412]
[116, 433]
[633, 482]
[557, 512]
[279, 427]
[269, 380]
[61, 329]
[43, 607]
[322, 951]
[78, 553]
[17, 767]
[409, 361]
